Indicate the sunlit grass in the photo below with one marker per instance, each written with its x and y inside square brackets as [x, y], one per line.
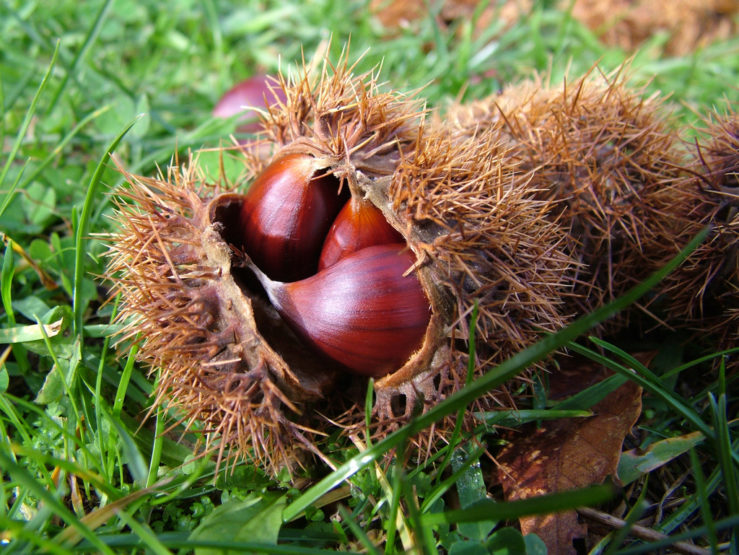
[81, 469]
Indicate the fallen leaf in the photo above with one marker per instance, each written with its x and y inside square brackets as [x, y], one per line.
[567, 454]
[635, 463]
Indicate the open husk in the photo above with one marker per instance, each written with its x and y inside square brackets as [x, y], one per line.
[527, 206]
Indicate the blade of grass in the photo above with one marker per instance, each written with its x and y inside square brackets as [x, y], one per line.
[654, 388]
[691, 504]
[632, 517]
[514, 418]
[149, 539]
[425, 543]
[156, 448]
[722, 447]
[26, 480]
[471, 351]
[442, 487]
[69, 466]
[125, 379]
[60, 146]
[6, 294]
[134, 459]
[97, 392]
[394, 511]
[700, 532]
[17, 531]
[648, 385]
[177, 541]
[697, 361]
[101, 515]
[700, 486]
[83, 222]
[90, 38]
[22, 133]
[9, 402]
[368, 403]
[399, 522]
[543, 504]
[591, 395]
[348, 519]
[485, 383]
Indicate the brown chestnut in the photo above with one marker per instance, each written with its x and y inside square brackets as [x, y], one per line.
[359, 224]
[286, 214]
[361, 312]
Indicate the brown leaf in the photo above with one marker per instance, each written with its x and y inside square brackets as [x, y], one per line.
[567, 454]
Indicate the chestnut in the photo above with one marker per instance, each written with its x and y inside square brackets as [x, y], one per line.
[258, 91]
[361, 312]
[286, 214]
[359, 224]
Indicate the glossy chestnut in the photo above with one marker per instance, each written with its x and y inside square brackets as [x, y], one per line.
[361, 312]
[359, 224]
[286, 214]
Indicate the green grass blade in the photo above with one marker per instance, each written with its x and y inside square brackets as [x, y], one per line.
[120, 394]
[634, 514]
[72, 467]
[134, 459]
[177, 541]
[18, 531]
[22, 133]
[700, 486]
[348, 519]
[698, 361]
[148, 538]
[515, 418]
[60, 146]
[90, 38]
[83, 223]
[30, 332]
[723, 450]
[156, 449]
[591, 395]
[423, 535]
[26, 480]
[700, 532]
[398, 474]
[654, 388]
[485, 383]
[544, 504]
[447, 483]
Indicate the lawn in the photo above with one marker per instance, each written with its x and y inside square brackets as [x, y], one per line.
[89, 463]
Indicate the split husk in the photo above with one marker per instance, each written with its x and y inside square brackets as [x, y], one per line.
[526, 206]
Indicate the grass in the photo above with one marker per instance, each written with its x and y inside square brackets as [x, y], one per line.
[80, 473]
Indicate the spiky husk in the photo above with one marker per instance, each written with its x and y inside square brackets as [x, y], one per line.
[688, 24]
[180, 303]
[530, 205]
[482, 241]
[610, 164]
[704, 292]
[473, 224]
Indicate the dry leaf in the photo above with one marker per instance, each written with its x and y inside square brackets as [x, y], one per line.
[567, 454]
